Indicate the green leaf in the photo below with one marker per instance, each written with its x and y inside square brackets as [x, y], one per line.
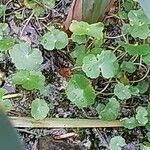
[45, 90]
[108, 64]
[106, 56]
[116, 143]
[49, 3]
[145, 146]
[83, 28]
[111, 110]
[29, 80]
[38, 11]
[4, 30]
[146, 59]
[89, 63]
[6, 44]
[128, 66]
[147, 126]
[130, 123]
[148, 136]
[134, 90]
[109, 69]
[141, 115]
[145, 5]
[122, 92]
[79, 28]
[6, 104]
[79, 53]
[99, 108]
[138, 17]
[80, 39]
[39, 109]
[80, 92]
[96, 30]
[136, 49]
[2, 92]
[2, 10]
[142, 86]
[24, 57]
[141, 32]
[54, 39]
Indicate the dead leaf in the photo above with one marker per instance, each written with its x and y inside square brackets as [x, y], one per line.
[65, 72]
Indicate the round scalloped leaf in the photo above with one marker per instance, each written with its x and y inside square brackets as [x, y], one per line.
[116, 143]
[109, 69]
[4, 30]
[39, 109]
[49, 3]
[79, 28]
[146, 59]
[128, 66]
[96, 30]
[2, 10]
[26, 58]
[91, 66]
[142, 86]
[80, 39]
[6, 104]
[141, 115]
[54, 39]
[111, 110]
[6, 43]
[80, 92]
[138, 17]
[83, 28]
[122, 92]
[29, 80]
[130, 123]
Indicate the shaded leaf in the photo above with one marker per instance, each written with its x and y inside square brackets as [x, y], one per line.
[111, 110]
[116, 143]
[142, 86]
[80, 92]
[130, 123]
[122, 92]
[26, 58]
[39, 109]
[128, 66]
[141, 115]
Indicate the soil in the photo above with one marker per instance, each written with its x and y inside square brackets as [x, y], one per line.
[54, 62]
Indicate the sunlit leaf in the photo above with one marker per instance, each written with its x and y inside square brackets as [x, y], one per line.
[29, 80]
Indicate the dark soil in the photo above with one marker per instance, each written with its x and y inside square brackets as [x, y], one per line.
[43, 139]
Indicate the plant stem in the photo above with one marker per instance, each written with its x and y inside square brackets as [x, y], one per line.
[63, 123]
[12, 96]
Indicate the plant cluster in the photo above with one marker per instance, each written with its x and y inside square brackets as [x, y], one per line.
[93, 61]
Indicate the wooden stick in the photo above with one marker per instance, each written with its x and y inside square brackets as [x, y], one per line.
[63, 123]
[12, 96]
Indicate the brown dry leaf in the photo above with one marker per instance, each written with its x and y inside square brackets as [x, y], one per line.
[75, 13]
[65, 72]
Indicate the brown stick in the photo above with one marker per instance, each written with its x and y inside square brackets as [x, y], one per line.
[63, 123]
